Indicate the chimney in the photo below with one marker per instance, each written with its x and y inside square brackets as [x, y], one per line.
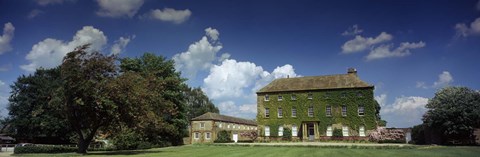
[288, 76]
[352, 71]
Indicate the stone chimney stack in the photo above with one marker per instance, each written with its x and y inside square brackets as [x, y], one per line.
[352, 71]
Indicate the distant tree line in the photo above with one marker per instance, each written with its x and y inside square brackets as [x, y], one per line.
[91, 95]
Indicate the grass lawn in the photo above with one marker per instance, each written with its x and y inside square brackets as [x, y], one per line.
[270, 151]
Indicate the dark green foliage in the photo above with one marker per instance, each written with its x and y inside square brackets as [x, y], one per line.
[454, 112]
[418, 134]
[43, 149]
[287, 134]
[337, 133]
[198, 103]
[223, 137]
[127, 139]
[34, 108]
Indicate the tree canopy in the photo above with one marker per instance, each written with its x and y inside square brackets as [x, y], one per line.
[455, 113]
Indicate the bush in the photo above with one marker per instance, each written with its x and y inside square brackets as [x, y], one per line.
[418, 134]
[223, 137]
[337, 133]
[287, 134]
[129, 140]
[43, 149]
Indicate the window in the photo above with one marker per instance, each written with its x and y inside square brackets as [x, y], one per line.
[361, 131]
[361, 110]
[280, 113]
[310, 96]
[344, 110]
[220, 125]
[310, 111]
[202, 125]
[328, 111]
[327, 95]
[229, 126]
[267, 131]
[345, 131]
[267, 98]
[294, 112]
[294, 97]
[344, 95]
[280, 98]
[329, 131]
[360, 94]
[294, 131]
[207, 135]
[267, 112]
[197, 135]
[280, 131]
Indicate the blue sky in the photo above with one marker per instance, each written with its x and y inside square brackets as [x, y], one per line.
[407, 49]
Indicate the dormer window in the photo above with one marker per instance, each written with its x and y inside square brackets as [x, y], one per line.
[266, 98]
[294, 97]
[310, 96]
[280, 98]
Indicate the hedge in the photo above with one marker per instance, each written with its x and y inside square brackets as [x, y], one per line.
[43, 149]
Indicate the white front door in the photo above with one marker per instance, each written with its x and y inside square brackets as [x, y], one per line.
[235, 137]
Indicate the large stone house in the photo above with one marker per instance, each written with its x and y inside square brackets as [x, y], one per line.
[313, 107]
[204, 128]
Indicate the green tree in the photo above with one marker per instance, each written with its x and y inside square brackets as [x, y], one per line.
[170, 86]
[198, 103]
[85, 93]
[33, 110]
[454, 111]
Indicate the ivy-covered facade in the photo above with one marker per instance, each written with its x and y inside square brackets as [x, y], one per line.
[314, 107]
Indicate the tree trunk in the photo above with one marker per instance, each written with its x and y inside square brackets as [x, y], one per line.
[82, 146]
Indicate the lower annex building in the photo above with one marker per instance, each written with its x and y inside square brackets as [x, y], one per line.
[204, 128]
[313, 107]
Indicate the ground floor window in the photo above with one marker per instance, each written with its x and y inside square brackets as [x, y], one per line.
[197, 135]
[361, 131]
[294, 131]
[329, 131]
[267, 131]
[345, 130]
[280, 131]
[207, 135]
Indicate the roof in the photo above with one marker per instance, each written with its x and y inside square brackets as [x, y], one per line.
[219, 117]
[340, 81]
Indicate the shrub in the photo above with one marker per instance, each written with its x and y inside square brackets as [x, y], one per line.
[337, 133]
[287, 134]
[43, 149]
[127, 139]
[223, 137]
[418, 134]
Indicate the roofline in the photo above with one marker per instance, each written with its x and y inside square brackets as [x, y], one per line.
[225, 121]
[276, 91]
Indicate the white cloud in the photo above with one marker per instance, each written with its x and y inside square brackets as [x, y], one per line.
[405, 111]
[2, 83]
[120, 45]
[421, 85]
[199, 56]
[50, 52]
[223, 57]
[230, 78]
[354, 30]
[170, 15]
[212, 33]
[384, 51]
[360, 43]
[8, 33]
[444, 79]
[462, 30]
[118, 8]
[279, 72]
[48, 2]
[230, 108]
[34, 13]
[381, 99]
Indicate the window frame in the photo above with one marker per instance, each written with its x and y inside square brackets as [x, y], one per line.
[294, 130]
[345, 132]
[310, 96]
[279, 112]
[267, 134]
[361, 108]
[344, 112]
[196, 135]
[280, 98]
[328, 110]
[293, 97]
[310, 110]
[294, 114]
[361, 130]
[266, 97]
[208, 135]
[329, 132]
[280, 131]
[202, 125]
[267, 112]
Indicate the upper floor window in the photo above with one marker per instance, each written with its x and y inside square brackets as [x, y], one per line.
[280, 98]
[294, 97]
[267, 97]
[344, 95]
[327, 95]
[202, 125]
[361, 110]
[294, 112]
[360, 94]
[310, 96]
[280, 113]
[328, 110]
[267, 112]
[310, 111]
[344, 110]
